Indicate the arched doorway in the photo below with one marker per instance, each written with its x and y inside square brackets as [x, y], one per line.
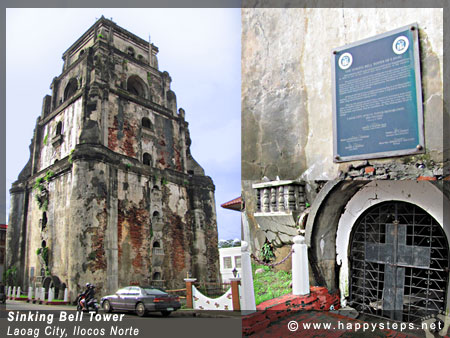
[51, 282]
[398, 263]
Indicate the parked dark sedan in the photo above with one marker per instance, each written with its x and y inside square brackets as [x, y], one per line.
[141, 299]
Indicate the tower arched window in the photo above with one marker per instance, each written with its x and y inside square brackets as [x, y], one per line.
[156, 244]
[130, 51]
[146, 123]
[44, 220]
[136, 86]
[59, 128]
[71, 88]
[155, 217]
[147, 159]
[157, 276]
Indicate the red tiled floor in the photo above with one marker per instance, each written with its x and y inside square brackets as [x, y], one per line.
[338, 327]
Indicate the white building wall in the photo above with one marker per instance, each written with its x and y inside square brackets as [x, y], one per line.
[235, 255]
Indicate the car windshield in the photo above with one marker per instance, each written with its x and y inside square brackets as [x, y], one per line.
[149, 291]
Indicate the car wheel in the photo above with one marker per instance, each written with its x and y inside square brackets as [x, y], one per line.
[140, 309]
[107, 306]
[166, 313]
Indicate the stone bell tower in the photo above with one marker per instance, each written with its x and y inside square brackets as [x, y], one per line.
[111, 194]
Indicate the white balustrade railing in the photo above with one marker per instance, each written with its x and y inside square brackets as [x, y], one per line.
[280, 196]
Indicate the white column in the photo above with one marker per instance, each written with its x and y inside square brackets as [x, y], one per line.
[18, 292]
[9, 291]
[30, 293]
[50, 294]
[42, 294]
[66, 294]
[300, 272]
[14, 292]
[248, 293]
[36, 293]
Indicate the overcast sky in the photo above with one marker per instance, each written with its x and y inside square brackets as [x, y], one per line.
[200, 48]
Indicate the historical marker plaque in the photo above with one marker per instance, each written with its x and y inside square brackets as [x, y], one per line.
[377, 97]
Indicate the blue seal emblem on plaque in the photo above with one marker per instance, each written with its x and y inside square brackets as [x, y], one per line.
[400, 45]
[345, 61]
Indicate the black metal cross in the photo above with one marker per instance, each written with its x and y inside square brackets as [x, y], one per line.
[396, 256]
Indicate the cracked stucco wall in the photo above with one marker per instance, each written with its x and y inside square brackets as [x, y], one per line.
[70, 118]
[287, 85]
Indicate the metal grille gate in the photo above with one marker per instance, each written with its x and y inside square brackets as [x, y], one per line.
[399, 263]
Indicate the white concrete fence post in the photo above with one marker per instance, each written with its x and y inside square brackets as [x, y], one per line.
[30, 293]
[9, 291]
[50, 294]
[14, 292]
[248, 293]
[66, 294]
[42, 294]
[300, 271]
[36, 293]
[18, 292]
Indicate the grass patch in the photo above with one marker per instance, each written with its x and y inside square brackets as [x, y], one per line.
[270, 284]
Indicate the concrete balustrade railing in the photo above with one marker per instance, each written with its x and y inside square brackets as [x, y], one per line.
[36, 294]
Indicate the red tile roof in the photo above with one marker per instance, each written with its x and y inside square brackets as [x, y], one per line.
[235, 204]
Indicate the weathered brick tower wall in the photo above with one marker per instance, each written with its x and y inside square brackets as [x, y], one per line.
[111, 194]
